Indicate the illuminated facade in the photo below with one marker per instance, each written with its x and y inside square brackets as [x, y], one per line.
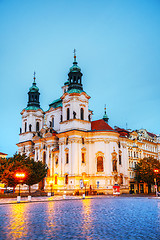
[74, 147]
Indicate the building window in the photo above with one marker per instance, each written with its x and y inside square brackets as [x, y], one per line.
[129, 153]
[120, 159]
[67, 141]
[134, 154]
[82, 140]
[68, 113]
[30, 127]
[37, 126]
[56, 161]
[82, 114]
[25, 127]
[100, 164]
[52, 122]
[44, 158]
[83, 157]
[66, 179]
[55, 180]
[67, 158]
[119, 144]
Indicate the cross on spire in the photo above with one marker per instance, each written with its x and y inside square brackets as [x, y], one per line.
[34, 74]
[74, 55]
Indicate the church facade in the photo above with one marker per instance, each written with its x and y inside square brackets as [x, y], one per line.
[76, 149]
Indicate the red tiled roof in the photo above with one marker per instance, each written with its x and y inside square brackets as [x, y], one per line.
[3, 153]
[100, 125]
[151, 134]
[122, 132]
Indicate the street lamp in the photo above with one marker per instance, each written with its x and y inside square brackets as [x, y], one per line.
[20, 176]
[156, 171]
[51, 185]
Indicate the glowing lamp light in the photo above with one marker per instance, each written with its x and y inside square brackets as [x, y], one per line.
[156, 170]
[20, 175]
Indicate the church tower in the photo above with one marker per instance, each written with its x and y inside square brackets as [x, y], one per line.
[75, 100]
[32, 119]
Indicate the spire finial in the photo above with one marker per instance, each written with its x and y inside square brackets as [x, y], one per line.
[74, 55]
[105, 117]
[105, 109]
[34, 74]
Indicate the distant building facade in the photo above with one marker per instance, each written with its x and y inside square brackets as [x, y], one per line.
[77, 149]
[3, 155]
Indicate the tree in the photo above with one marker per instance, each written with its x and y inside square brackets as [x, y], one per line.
[34, 171]
[145, 171]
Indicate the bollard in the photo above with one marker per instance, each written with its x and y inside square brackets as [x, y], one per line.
[49, 194]
[18, 199]
[29, 198]
[83, 196]
[64, 196]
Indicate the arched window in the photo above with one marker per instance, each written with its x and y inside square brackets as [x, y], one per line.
[25, 127]
[56, 160]
[37, 126]
[53, 122]
[30, 127]
[99, 164]
[67, 158]
[82, 114]
[44, 158]
[83, 157]
[68, 113]
[66, 179]
[120, 159]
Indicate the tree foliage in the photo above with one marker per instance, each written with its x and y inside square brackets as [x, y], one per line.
[34, 171]
[145, 171]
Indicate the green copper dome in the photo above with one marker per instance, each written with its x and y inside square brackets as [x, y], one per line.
[75, 76]
[34, 88]
[75, 68]
[33, 96]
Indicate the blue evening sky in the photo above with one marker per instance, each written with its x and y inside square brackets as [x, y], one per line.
[118, 50]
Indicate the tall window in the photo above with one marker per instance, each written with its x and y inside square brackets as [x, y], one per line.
[82, 114]
[25, 127]
[82, 140]
[37, 126]
[30, 127]
[44, 157]
[67, 158]
[53, 122]
[68, 113]
[120, 159]
[100, 164]
[56, 161]
[66, 179]
[83, 157]
[67, 141]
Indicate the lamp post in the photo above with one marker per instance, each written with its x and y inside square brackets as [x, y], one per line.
[156, 171]
[20, 176]
[51, 185]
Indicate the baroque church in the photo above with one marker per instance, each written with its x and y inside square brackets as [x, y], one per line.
[76, 149]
